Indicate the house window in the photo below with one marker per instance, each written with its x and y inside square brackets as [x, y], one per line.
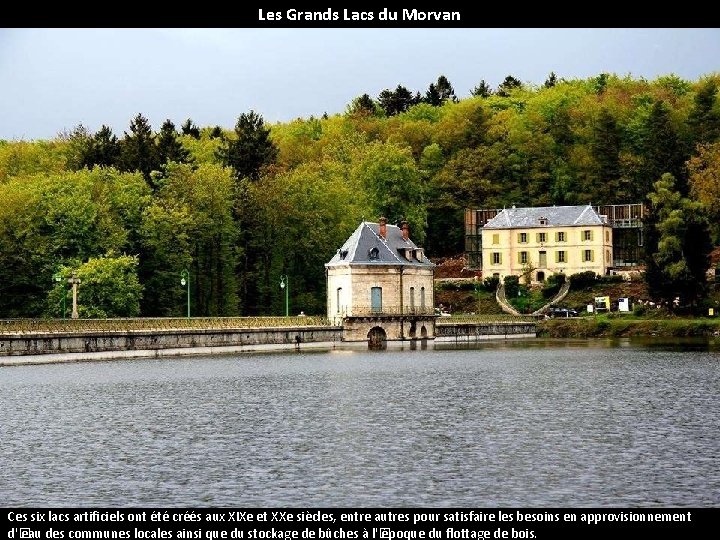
[607, 255]
[587, 235]
[496, 258]
[588, 255]
[542, 237]
[607, 237]
[561, 236]
[522, 238]
[412, 298]
[543, 221]
[523, 257]
[496, 238]
[422, 298]
[560, 257]
[376, 299]
[339, 297]
[374, 254]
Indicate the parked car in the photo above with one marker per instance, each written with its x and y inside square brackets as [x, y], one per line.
[561, 312]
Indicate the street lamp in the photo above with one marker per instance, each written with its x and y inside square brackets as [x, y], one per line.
[74, 281]
[185, 280]
[285, 284]
[58, 279]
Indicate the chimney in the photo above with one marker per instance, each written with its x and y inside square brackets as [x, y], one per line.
[405, 230]
[383, 227]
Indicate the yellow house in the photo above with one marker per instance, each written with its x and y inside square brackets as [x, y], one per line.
[539, 242]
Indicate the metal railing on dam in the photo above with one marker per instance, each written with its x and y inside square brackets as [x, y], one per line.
[34, 326]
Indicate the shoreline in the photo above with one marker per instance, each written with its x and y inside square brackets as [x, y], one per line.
[618, 327]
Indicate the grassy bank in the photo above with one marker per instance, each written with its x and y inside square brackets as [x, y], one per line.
[627, 327]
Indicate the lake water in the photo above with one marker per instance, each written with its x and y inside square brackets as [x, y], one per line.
[529, 423]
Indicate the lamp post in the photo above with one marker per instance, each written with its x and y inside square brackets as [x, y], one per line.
[185, 281]
[285, 284]
[74, 281]
[58, 279]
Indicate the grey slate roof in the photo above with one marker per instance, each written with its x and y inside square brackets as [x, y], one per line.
[357, 248]
[557, 216]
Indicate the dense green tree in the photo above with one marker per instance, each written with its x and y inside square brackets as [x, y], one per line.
[705, 116]
[190, 226]
[432, 96]
[79, 146]
[189, 128]
[109, 287]
[606, 152]
[600, 83]
[296, 242]
[576, 141]
[705, 183]
[47, 219]
[169, 147]
[551, 80]
[104, 150]
[509, 84]
[482, 89]
[389, 176]
[138, 149]
[678, 246]
[462, 126]
[662, 149]
[445, 89]
[396, 101]
[21, 158]
[363, 105]
[251, 150]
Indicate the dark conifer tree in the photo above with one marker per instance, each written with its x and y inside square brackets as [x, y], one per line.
[432, 96]
[138, 150]
[252, 150]
[704, 118]
[397, 101]
[189, 128]
[105, 149]
[482, 90]
[363, 105]
[168, 146]
[510, 83]
[551, 80]
[605, 148]
[663, 151]
[445, 89]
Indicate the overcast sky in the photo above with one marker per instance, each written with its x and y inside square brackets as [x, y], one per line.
[54, 79]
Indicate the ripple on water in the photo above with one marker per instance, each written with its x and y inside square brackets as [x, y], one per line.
[567, 425]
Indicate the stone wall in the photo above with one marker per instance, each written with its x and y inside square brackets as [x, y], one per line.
[355, 283]
[40, 348]
[468, 332]
[396, 328]
[89, 343]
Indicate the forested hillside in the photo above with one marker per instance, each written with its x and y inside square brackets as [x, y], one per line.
[239, 208]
